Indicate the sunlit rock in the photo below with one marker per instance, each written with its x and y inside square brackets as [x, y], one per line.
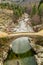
[5, 55]
[1, 61]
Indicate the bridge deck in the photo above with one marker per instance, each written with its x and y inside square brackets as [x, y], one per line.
[21, 34]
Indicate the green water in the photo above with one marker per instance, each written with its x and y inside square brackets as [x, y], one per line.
[20, 59]
[21, 53]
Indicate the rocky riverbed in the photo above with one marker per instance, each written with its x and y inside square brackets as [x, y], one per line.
[24, 25]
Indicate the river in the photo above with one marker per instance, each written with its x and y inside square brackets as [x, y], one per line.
[21, 52]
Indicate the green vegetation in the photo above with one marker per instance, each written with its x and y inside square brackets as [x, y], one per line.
[40, 11]
[26, 58]
[21, 59]
[4, 5]
[37, 14]
[34, 10]
[17, 10]
[12, 55]
[41, 2]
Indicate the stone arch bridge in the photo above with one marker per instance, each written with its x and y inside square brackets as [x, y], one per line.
[13, 36]
[21, 34]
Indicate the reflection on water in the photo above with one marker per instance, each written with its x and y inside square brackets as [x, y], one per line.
[21, 59]
[21, 53]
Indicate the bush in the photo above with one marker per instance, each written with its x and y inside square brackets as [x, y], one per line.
[40, 12]
[17, 12]
[17, 9]
[34, 10]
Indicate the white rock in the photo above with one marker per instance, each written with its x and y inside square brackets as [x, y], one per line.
[5, 55]
[1, 62]
[40, 55]
[10, 45]
[26, 19]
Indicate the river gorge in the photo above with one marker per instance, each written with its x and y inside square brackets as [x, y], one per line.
[21, 52]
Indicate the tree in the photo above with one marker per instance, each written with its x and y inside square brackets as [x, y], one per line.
[33, 10]
[40, 11]
[17, 12]
[40, 3]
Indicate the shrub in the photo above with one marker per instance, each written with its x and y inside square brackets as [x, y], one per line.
[40, 11]
[34, 10]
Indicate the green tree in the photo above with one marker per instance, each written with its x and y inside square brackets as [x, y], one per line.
[17, 12]
[33, 10]
[40, 3]
[40, 11]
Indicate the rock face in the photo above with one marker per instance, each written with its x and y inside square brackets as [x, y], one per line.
[1, 61]
[5, 19]
[39, 50]
[5, 55]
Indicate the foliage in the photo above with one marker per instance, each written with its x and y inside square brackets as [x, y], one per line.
[41, 2]
[12, 55]
[37, 14]
[17, 10]
[40, 10]
[4, 5]
[21, 59]
[33, 10]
